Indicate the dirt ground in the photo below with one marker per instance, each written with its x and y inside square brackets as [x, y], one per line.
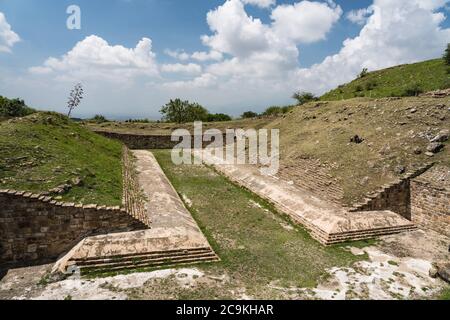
[397, 268]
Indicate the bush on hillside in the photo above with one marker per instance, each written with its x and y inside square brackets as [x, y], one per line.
[276, 110]
[371, 85]
[447, 55]
[304, 97]
[249, 115]
[99, 119]
[218, 117]
[413, 90]
[363, 73]
[14, 108]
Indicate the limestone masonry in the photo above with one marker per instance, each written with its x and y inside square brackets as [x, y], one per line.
[34, 227]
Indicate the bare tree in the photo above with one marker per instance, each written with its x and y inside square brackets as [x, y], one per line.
[76, 95]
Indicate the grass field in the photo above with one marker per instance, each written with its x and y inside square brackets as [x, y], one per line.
[445, 294]
[45, 150]
[428, 76]
[257, 246]
[167, 128]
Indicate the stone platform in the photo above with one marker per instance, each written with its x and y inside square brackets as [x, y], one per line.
[174, 237]
[327, 222]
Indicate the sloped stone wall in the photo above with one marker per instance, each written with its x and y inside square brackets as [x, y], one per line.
[430, 200]
[35, 227]
[142, 142]
[133, 198]
[395, 196]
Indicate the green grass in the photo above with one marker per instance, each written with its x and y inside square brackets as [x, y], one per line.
[257, 246]
[45, 150]
[445, 294]
[154, 128]
[428, 75]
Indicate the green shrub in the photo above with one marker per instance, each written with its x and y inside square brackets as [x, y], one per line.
[363, 73]
[249, 115]
[273, 111]
[371, 85]
[447, 55]
[304, 97]
[99, 119]
[413, 90]
[218, 117]
[14, 108]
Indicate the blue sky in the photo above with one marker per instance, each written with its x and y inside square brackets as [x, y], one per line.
[262, 61]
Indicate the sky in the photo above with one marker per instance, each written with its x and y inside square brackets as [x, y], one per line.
[133, 56]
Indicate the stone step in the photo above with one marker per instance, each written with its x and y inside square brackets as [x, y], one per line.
[148, 255]
[149, 263]
[370, 234]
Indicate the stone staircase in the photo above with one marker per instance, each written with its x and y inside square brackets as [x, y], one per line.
[149, 260]
[326, 221]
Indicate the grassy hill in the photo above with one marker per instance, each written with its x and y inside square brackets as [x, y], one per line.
[393, 130]
[396, 81]
[44, 151]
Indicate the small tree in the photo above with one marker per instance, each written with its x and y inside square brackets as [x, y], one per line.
[218, 117]
[273, 111]
[413, 90]
[195, 112]
[75, 97]
[304, 97]
[363, 73]
[174, 111]
[179, 111]
[249, 114]
[99, 119]
[447, 55]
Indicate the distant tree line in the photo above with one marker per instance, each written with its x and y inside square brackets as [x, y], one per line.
[14, 108]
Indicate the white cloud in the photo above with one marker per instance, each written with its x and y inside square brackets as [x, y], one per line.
[201, 56]
[250, 64]
[397, 32]
[360, 16]
[93, 57]
[260, 3]
[190, 68]
[259, 51]
[7, 36]
[305, 21]
[177, 54]
[206, 56]
[205, 80]
[235, 32]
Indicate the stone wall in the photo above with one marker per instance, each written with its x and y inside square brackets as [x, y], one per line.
[430, 202]
[133, 198]
[309, 174]
[35, 227]
[395, 196]
[141, 142]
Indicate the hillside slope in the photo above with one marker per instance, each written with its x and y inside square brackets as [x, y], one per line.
[44, 151]
[395, 134]
[427, 76]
